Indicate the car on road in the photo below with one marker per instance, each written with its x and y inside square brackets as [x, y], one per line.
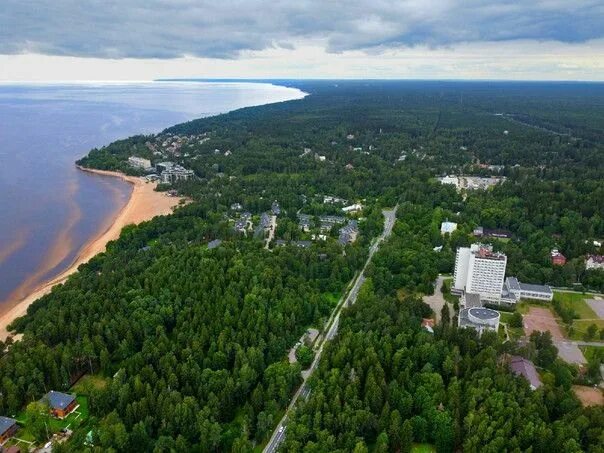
[281, 429]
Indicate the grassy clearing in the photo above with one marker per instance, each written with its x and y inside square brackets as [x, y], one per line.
[577, 305]
[332, 298]
[89, 382]
[592, 353]
[73, 420]
[446, 290]
[422, 448]
[514, 332]
[576, 302]
[579, 329]
[525, 305]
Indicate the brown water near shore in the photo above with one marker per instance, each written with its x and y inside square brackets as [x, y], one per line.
[144, 204]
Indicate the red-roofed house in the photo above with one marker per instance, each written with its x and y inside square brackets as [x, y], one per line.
[558, 259]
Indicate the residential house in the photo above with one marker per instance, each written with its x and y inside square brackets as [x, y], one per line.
[61, 404]
[302, 244]
[8, 427]
[557, 258]
[213, 244]
[594, 262]
[496, 233]
[525, 368]
[349, 233]
[353, 208]
[304, 222]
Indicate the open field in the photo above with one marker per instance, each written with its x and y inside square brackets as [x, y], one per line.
[583, 309]
[577, 303]
[89, 382]
[422, 448]
[580, 327]
[542, 320]
[589, 396]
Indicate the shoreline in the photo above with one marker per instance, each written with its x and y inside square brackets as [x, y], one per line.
[144, 204]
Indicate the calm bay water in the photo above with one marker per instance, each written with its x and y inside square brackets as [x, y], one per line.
[49, 209]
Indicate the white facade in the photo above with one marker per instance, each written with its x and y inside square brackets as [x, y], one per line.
[594, 262]
[481, 319]
[479, 270]
[527, 291]
[139, 162]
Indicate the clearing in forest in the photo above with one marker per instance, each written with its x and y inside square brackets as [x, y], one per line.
[589, 396]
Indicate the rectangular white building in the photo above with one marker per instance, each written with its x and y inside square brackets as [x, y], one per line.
[521, 290]
[481, 271]
[139, 162]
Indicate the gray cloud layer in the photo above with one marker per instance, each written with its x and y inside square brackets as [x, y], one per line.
[223, 29]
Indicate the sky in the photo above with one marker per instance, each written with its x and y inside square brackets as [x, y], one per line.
[59, 40]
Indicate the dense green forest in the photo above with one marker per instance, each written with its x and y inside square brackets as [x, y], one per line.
[192, 342]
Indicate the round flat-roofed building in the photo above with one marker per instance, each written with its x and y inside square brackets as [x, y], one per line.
[479, 318]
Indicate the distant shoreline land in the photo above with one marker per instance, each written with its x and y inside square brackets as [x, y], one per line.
[144, 204]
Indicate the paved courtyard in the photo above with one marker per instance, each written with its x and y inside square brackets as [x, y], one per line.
[570, 353]
[597, 305]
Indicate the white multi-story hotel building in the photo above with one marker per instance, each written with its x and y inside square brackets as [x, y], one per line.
[481, 271]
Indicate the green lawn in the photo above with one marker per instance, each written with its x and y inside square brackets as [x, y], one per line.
[577, 303]
[422, 448]
[89, 382]
[592, 352]
[332, 298]
[76, 418]
[515, 332]
[524, 306]
[580, 328]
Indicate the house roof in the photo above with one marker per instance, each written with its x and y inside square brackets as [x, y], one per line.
[6, 423]
[59, 400]
[596, 258]
[535, 288]
[215, 243]
[513, 284]
[523, 367]
[303, 244]
[472, 300]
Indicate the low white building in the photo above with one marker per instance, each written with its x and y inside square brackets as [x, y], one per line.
[454, 180]
[594, 262]
[353, 208]
[527, 290]
[447, 227]
[481, 319]
[139, 162]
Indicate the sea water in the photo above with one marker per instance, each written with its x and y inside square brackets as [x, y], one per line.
[48, 209]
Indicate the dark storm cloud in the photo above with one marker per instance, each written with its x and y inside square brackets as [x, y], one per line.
[223, 29]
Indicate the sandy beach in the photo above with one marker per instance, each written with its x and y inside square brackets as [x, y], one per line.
[144, 204]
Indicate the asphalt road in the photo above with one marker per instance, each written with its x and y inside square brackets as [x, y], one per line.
[304, 390]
